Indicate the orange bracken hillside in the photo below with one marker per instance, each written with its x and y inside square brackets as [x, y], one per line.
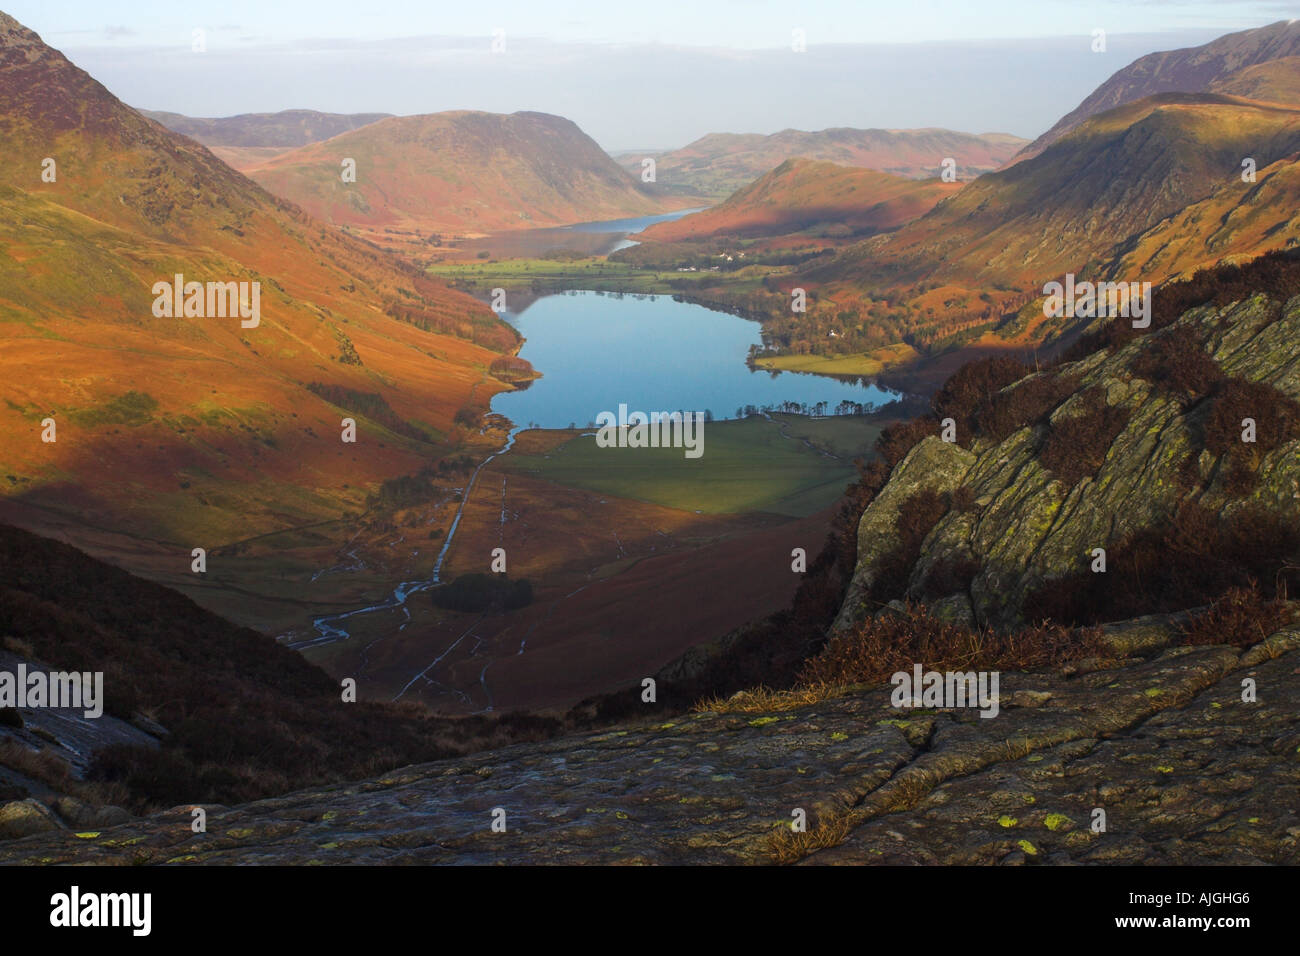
[988, 250]
[802, 194]
[199, 428]
[1199, 69]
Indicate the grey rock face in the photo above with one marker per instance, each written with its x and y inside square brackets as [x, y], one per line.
[1028, 528]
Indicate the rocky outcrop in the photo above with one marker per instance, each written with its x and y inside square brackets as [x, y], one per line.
[1027, 527]
[1162, 742]
[20, 818]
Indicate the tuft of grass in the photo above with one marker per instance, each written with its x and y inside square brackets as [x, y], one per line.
[786, 846]
[765, 700]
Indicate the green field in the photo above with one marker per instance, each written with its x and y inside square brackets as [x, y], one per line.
[747, 466]
[844, 436]
[861, 363]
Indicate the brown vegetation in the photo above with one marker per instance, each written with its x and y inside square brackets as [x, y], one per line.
[1076, 445]
[973, 387]
[1179, 366]
[1242, 616]
[917, 516]
[1276, 274]
[896, 640]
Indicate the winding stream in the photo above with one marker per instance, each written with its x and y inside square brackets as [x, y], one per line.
[327, 628]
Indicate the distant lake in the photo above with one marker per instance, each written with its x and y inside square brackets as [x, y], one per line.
[651, 353]
[587, 238]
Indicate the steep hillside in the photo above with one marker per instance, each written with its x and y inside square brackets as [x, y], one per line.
[988, 250]
[810, 195]
[1273, 81]
[220, 713]
[460, 172]
[1190, 70]
[189, 429]
[1234, 223]
[718, 164]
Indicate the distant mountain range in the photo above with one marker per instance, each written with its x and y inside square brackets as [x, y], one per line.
[1145, 191]
[718, 164]
[251, 138]
[287, 128]
[1115, 176]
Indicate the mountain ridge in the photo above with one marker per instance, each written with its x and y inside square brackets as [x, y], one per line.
[1187, 70]
[717, 164]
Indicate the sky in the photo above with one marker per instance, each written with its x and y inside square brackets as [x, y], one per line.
[634, 75]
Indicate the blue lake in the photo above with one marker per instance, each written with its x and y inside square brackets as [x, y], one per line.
[596, 351]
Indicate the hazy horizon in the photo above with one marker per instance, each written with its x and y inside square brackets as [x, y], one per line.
[662, 86]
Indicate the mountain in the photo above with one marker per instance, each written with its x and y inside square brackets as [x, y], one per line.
[991, 247]
[1190, 70]
[190, 431]
[718, 164]
[460, 172]
[250, 138]
[804, 194]
[194, 707]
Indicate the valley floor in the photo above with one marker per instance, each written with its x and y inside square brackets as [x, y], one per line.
[630, 566]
